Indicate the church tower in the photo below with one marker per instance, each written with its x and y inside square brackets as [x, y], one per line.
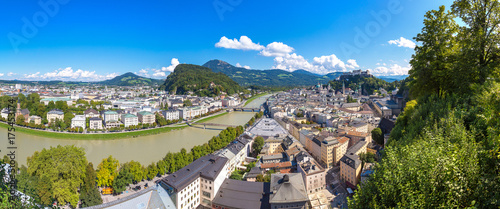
[343, 88]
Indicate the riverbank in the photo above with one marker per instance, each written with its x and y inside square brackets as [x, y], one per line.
[108, 136]
[254, 97]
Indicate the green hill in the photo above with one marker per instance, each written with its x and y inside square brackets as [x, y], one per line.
[275, 77]
[199, 80]
[130, 79]
[368, 84]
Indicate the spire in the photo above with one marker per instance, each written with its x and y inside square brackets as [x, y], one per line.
[343, 87]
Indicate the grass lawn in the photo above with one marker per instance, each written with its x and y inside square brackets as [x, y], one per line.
[254, 97]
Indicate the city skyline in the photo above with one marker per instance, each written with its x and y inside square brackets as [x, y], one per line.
[88, 41]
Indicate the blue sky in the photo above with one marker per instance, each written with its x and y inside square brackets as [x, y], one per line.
[96, 40]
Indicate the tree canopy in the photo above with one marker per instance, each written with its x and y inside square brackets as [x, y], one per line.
[61, 171]
[444, 151]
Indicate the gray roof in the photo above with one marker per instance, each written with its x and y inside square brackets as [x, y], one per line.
[150, 198]
[287, 188]
[90, 111]
[254, 172]
[56, 111]
[208, 167]
[351, 160]
[356, 147]
[95, 118]
[243, 194]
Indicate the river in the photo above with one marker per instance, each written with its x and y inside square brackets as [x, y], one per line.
[145, 149]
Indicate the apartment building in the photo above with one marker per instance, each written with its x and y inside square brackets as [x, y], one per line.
[197, 183]
[146, 117]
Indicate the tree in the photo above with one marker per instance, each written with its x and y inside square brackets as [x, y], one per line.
[187, 103]
[433, 61]
[20, 120]
[107, 170]
[258, 144]
[89, 193]
[378, 136]
[67, 118]
[479, 40]
[61, 171]
[236, 175]
[137, 170]
[152, 171]
[121, 182]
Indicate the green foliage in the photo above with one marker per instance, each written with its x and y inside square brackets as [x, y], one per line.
[433, 62]
[187, 103]
[107, 171]
[258, 144]
[452, 58]
[378, 136]
[368, 157]
[236, 175]
[198, 79]
[368, 84]
[152, 171]
[443, 152]
[123, 179]
[61, 171]
[131, 79]
[89, 194]
[350, 99]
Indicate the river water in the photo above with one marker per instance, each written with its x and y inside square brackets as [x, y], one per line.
[145, 149]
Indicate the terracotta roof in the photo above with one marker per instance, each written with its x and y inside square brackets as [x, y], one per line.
[276, 165]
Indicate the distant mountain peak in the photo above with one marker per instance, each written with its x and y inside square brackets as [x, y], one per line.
[217, 62]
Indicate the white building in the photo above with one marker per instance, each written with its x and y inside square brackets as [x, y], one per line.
[171, 114]
[78, 121]
[191, 112]
[111, 116]
[130, 120]
[197, 183]
[95, 123]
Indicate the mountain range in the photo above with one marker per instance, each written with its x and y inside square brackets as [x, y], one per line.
[273, 77]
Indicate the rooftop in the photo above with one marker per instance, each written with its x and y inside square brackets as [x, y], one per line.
[287, 188]
[243, 194]
[267, 127]
[208, 167]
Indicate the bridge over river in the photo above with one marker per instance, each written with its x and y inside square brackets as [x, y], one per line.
[210, 124]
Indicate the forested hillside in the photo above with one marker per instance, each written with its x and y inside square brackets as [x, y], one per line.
[199, 80]
[368, 84]
[444, 151]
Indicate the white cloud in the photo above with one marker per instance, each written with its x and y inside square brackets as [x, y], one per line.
[70, 74]
[1, 74]
[162, 72]
[11, 74]
[319, 65]
[276, 49]
[34, 75]
[246, 66]
[403, 42]
[173, 63]
[291, 62]
[159, 74]
[143, 72]
[244, 43]
[394, 69]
